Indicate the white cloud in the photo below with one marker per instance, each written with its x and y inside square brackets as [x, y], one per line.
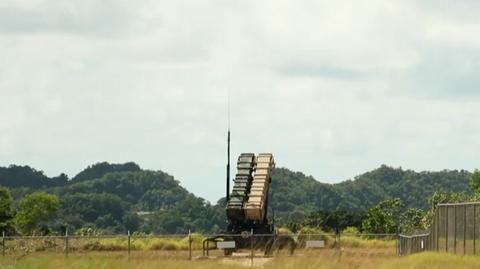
[333, 89]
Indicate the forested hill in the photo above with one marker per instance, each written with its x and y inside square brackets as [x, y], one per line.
[16, 176]
[115, 198]
[120, 197]
[292, 193]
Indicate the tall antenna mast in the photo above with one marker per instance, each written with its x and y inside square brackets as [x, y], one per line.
[228, 151]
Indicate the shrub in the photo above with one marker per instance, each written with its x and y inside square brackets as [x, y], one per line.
[311, 233]
[359, 242]
[351, 230]
[284, 231]
[170, 246]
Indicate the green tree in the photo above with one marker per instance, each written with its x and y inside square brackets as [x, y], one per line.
[98, 170]
[35, 210]
[333, 220]
[440, 197]
[475, 181]
[383, 217]
[6, 210]
[131, 221]
[413, 219]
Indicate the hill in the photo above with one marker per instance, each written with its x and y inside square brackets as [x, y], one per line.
[119, 197]
[293, 194]
[98, 170]
[16, 176]
[113, 201]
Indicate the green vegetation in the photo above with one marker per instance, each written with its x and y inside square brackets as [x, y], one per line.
[122, 198]
[111, 203]
[35, 211]
[114, 198]
[350, 241]
[16, 176]
[6, 210]
[321, 260]
[414, 219]
[141, 243]
[100, 169]
[475, 181]
[382, 218]
[328, 221]
[293, 195]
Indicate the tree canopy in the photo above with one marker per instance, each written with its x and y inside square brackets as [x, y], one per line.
[6, 209]
[98, 170]
[383, 218]
[114, 198]
[475, 181]
[293, 194]
[35, 211]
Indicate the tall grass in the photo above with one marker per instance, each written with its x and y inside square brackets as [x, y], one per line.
[145, 243]
[324, 260]
[360, 242]
[119, 243]
[165, 243]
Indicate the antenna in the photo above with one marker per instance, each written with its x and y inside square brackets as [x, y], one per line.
[228, 150]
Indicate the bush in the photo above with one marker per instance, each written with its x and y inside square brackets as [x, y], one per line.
[351, 230]
[104, 246]
[284, 231]
[361, 242]
[170, 246]
[310, 233]
[197, 241]
[165, 244]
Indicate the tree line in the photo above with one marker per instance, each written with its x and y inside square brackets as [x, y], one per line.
[116, 198]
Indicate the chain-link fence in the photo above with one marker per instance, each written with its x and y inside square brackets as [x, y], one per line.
[192, 246]
[454, 230]
[173, 246]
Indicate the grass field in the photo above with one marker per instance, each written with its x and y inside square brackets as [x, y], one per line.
[159, 259]
[172, 243]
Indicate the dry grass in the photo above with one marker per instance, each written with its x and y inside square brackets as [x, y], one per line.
[118, 243]
[359, 242]
[167, 259]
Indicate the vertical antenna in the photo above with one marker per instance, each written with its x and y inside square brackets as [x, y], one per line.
[228, 151]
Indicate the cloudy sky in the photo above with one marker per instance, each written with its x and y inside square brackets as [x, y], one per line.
[332, 89]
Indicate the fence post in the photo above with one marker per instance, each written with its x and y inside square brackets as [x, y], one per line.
[129, 242]
[464, 230]
[66, 243]
[339, 239]
[189, 244]
[399, 244]
[251, 247]
[437, 228]
[446, 229]
[474, 229]
[3, 243]
[274, 237]
[336, 240]
[455, 229]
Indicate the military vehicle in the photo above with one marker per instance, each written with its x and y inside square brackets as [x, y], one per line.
[247, 205]
[248, 202]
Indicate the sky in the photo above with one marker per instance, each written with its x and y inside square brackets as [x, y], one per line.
[331, 88]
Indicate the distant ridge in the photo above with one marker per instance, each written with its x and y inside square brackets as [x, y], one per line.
[293, 193]
[109, 196]
[98, 170]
